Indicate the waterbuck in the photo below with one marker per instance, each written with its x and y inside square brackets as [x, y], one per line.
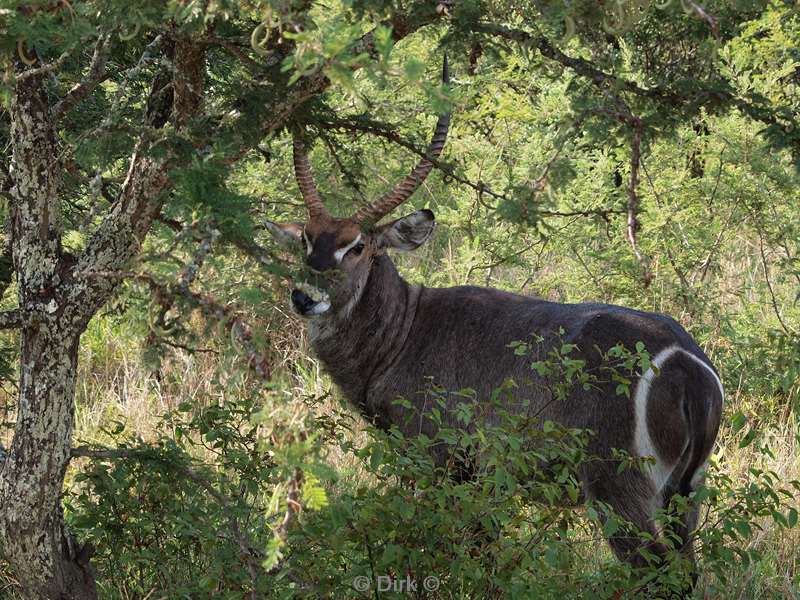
[381, 339]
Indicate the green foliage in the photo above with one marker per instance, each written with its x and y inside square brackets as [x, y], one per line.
[155, 518]
[501, 516]
[476, 536]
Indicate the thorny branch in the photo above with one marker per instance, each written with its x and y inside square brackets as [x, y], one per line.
[601, 79]
[317, 82]
[95, 75]
[240, 329]
[773, 299]
[384, 131]
[186, 278]
[47, 68]
[500, 261]
[624, 115]
[224, 315]
[701, 12]
[292, 507]
[579, 65]
[685, 285]
[131, 74]
[351, 179]
[633, 197]
[192, 268]
[240, 54]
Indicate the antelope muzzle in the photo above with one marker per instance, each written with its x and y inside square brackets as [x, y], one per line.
[310, 301]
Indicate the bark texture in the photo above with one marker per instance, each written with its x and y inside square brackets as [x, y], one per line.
[32, 533]
[44, 555]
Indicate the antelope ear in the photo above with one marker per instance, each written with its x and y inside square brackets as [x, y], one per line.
[286, 234]
[407, 233]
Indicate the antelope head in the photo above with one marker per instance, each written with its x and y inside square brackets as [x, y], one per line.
[341, 251]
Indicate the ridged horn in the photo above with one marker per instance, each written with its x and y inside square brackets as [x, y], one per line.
[305, 179]
[403, 190]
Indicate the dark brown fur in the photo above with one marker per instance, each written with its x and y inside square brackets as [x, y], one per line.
[383, 339]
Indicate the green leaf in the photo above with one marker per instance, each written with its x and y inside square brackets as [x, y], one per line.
[738, 421]
[376, 458]
[383, 41]
[791, 518]
[314, 495]
[743, 528]
[610, 527]
[748, 438]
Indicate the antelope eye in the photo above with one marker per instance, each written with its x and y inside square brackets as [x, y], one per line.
[356, 250]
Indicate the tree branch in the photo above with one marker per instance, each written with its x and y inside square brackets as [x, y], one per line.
[119, 236]
[238, 52]
[349, 176]
[95, 75]
[686, 288]
[578, 65]
[226, 315]
[700, 96]
[188, 79]
[633, 197]
[389, 133]
[188, 274]
[701, 12]
[35, 206]
[292, 507]
[773, 299]
[248, 552]
[316, 83]
[47, 68]
[192, 268]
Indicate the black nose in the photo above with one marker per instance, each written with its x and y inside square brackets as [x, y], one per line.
[302, 302]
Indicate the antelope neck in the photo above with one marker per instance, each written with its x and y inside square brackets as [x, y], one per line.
[363, 346]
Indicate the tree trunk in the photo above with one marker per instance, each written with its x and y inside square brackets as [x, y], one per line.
[32, 534]
[42, 553]
[57, 297]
